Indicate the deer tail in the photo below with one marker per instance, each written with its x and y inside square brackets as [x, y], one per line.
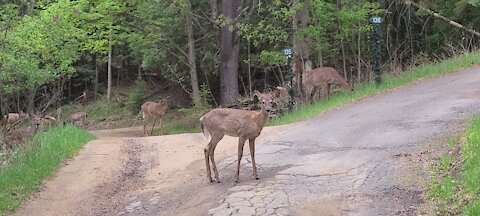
[204, 129]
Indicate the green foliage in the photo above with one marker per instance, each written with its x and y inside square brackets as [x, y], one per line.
[39, 49]
[28, 167]
[272, 58]
[136, 96]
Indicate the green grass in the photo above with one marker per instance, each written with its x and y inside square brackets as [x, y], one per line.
[389, 82]
[471, 167]
[27, 167]
[455, 185]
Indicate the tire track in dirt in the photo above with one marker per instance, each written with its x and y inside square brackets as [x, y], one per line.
[111, 196]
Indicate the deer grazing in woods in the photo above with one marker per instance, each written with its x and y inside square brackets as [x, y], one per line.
[243, 124]
[323, 76]
[79, 117]
[155, 110]
[45, 120]
[13, 118]
[21, 135]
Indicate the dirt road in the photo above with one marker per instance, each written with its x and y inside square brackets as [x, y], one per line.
[340, 163]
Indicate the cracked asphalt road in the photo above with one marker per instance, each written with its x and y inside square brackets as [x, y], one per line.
[340, 163]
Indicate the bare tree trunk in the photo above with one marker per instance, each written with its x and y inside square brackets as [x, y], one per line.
[301, 51]
[139, 72]
[31, 101]
[344, 63]
[95, 85]
[250, 93]
[359, 60]
[229, 52]
[191, 54]
[109, 73]
[214, 8]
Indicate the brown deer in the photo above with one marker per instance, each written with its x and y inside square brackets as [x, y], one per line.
[13, 118]
[80, 117]
[243, 124]
[323, 75]
[45, 120]
[155, 110]
[21, 135]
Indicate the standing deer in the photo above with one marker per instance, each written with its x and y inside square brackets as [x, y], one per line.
[243, 124]
[155, 110]
[323, 75]
[77, 117]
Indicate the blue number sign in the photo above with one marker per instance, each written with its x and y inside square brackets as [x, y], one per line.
[287, 52]
[376, 20]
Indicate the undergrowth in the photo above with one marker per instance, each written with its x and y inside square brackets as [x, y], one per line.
[25, 168]
[455, 186]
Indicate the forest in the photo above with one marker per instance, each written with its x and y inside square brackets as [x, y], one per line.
[53, 52]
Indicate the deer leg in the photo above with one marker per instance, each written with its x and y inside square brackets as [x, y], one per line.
[251, 143]
[145, 127]
[154, 120]
[211, 153]
[161, 125]
[207, 162]
[328, 90]
[241, 143]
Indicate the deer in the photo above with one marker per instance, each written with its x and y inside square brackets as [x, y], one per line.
[45, 120]
[280, 98]
[13, 118]
[323, 75]
[244, 124]
[77, 117]
[21, 135]
[155, 110]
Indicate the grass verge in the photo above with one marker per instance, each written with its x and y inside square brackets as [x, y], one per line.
[455, 187]
[389, 82]
[27, 167]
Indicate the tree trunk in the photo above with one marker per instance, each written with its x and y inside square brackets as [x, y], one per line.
[109, 73]
[229, 52]
[300, 48]
[191, 54]
[95, 85]
[139, 72]
[342, 46]
[359, 60]
[31, 101]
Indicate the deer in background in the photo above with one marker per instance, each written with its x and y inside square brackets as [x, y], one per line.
[14, 118]
[45, 120]
[80, 117]
[323, 76]
[21, 135]
[243, 124]
[155, 110]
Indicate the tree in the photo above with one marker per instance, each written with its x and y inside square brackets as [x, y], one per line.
[229, 51]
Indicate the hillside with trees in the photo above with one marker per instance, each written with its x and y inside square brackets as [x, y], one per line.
[53, 52]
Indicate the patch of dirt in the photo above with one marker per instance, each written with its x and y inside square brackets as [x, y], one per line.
[117, 172]
[417, 175]
[327, 208]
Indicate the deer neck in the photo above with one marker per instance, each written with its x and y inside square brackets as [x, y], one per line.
[261, 117]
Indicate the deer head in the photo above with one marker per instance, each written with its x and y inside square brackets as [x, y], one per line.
[266, 100]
